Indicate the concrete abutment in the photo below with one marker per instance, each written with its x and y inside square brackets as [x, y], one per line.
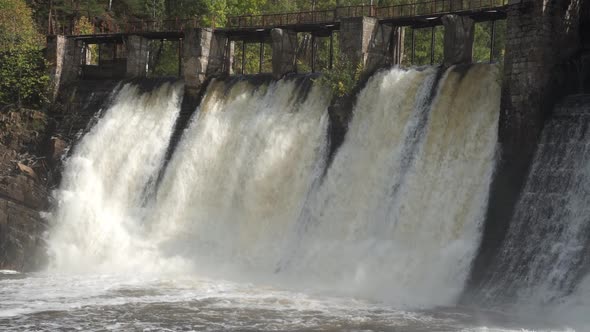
[540, 35]
[284, 52]
[64, 56]
[458, 40]
[137, 56]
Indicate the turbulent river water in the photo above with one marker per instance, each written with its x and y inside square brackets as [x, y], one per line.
[247, 227]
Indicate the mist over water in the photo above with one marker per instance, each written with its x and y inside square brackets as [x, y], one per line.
[247, 230]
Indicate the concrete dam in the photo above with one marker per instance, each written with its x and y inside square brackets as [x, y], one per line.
[440, 197]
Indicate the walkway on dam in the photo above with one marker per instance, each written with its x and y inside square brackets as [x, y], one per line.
[416, 14]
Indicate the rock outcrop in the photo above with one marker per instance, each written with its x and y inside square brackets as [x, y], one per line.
[23, 189]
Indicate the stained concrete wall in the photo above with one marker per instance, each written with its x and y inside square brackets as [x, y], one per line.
[363, 40]
[64, 56]
[54, 57]
[137, 56]
[396, 46]
[539, 35]
[197, 44]
[458, 39]
[219, 58]
[206, 53]
[284, 52]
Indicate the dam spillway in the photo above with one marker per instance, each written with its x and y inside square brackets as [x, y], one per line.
[395, 219]
[244, 182]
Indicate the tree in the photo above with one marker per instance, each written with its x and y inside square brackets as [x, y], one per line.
[22, 65]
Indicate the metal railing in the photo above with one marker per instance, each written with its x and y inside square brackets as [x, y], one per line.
[324, 16]
[422, 8]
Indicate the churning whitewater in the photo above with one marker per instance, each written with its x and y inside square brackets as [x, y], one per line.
[544, 260]
[249, 227]
[397, 217]
[97, 224]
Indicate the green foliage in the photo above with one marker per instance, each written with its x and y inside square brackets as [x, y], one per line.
[23, 80]
[17, 29]
[165, 60]
[84, 26]
[342, 78]
[252, 58]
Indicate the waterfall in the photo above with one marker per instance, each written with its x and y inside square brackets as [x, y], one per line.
[241, 172]
[544, 255]
[95, 224]
[399, 214]
[396, 217]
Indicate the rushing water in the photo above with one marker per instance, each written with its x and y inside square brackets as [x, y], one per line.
[543, 263]
[245, 230]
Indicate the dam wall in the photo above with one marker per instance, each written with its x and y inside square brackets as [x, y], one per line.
[540, 35]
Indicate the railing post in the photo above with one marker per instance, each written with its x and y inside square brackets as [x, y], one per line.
[413, 45]
[432, 46]
[180, 50]
[261, 56]
[313, 53]
[492, 40]
[331, 65]
[243, 56]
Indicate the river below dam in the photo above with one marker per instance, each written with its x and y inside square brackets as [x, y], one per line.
[103, 302]
[257, 223]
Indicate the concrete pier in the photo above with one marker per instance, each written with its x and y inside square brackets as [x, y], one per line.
[539, 36]
[396, 46]
[220, 55]
[458, 42]
[64, 56]
[197, 44]
[284, 52]
[364, 41]
[137, 56]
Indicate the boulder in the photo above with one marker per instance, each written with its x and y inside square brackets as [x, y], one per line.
[27, 170]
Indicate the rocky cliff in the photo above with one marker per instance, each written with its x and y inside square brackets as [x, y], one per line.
[23, 187]
[32, 147]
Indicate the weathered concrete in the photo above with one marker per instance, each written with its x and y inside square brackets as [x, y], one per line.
[458, 40]
[64, 56]
[137, 56]
[396, 46]
[379, 45]
[284, 52]
[197, 44]
[219, 56]
[539, 35]
[54, 56]
[363, 40]
[230, 58]
[107, 52]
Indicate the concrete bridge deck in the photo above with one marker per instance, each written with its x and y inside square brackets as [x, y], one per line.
[369, 35]
[419, 14]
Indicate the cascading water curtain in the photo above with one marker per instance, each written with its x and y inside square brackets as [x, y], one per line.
[399, 215]
[97, 221]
